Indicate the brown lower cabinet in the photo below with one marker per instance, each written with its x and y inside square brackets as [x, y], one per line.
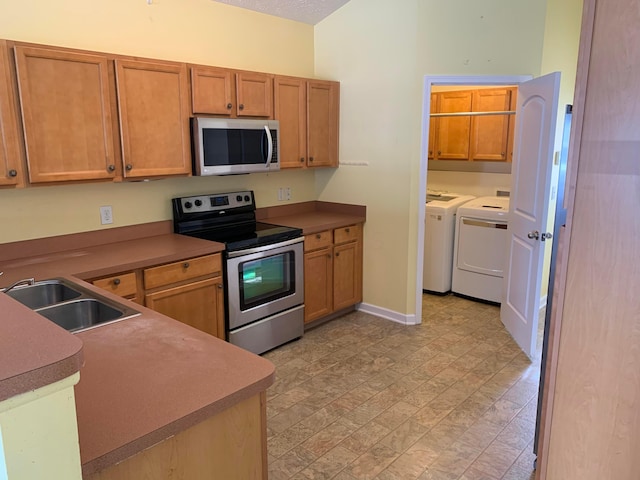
[332, 271]
[190, 291]
[231, 444]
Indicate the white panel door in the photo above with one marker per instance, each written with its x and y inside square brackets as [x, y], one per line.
[528, 207]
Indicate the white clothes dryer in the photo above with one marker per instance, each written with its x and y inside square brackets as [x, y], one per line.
[439, 230]
[480, 248]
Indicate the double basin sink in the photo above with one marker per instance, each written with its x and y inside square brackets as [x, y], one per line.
[70, 305]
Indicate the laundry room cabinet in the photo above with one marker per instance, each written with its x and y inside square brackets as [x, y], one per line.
[473, 137]
[333, 271]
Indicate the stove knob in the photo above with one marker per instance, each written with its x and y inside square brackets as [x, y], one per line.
[239, 198]
[187, 204]
[198, 203]
[247, 198]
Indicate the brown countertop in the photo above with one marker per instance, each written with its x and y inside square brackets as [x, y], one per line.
[144, 378]
[150, 377]
[33, 351]
[313, 217]
[87, 262]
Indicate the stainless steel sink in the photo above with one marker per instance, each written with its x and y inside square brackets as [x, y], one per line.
[81, 314]
[70, 305]
[43, 294]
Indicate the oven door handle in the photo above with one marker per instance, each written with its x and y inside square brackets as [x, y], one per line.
[264, 248]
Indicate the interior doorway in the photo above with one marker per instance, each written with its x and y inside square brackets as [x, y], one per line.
[431, 81]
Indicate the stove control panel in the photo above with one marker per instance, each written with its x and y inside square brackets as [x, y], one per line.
[217, 202]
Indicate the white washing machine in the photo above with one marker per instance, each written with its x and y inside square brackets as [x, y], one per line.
[439, 230]
[480, 248]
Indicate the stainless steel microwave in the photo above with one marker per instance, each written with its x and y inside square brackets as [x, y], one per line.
[224, 146]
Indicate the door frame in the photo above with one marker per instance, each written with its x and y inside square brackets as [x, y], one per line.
[430, 81]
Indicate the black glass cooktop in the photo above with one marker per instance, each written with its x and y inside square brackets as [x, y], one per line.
[240, 237]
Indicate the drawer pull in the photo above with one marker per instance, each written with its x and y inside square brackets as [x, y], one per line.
[116, 281]
[337, 254]
[347, 230]
[185, 265]
[220, 286]
[318, 236]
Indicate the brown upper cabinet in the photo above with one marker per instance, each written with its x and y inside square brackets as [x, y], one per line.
[308, 112]
[452, 133]
[66, 113]
[473, 137]
[11, 172]
[220, 91]
[70, 115]
[71, 103]
[154, 118]
[489, 134]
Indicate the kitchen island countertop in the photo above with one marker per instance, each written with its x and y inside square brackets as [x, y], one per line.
[143, 379]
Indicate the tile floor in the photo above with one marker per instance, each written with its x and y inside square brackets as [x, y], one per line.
[364, 398]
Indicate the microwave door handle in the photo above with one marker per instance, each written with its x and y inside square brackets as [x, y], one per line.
[269, 145]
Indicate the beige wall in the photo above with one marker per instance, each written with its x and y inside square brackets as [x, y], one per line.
[199, 31]
[381, 50]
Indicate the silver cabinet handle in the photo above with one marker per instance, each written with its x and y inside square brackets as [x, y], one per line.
[535, 234]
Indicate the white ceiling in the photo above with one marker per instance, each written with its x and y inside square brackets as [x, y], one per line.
[306, 11]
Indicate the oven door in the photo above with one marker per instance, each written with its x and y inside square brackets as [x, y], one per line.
[264, 281]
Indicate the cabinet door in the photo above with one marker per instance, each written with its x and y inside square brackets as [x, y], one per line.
[65, 101]
[488, 140]
[198, 304]
[254, 93]
[154, 118]
[10, 171]
[433, 121]
[347, 275]
[318, 284]
[291, 112]
[212, 91]
[322, 123]
[453, 132]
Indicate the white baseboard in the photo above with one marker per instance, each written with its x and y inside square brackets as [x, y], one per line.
[405, 319]
[543, 302]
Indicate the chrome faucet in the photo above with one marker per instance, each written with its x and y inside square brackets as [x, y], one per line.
[24, 281]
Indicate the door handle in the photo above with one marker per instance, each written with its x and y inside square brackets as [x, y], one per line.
[545, 236]
[535, 234]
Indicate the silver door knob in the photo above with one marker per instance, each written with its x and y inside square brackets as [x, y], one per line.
[546, 236]
[535, 234]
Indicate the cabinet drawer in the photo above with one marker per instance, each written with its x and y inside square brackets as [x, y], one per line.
[346, 234]
[318, 240]
[123, 285]
[183, 270]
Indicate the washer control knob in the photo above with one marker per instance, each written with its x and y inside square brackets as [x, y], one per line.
[198, 203]
[239, 198]
[247, 198]
[187, 205]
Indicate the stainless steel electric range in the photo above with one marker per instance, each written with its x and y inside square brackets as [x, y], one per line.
[264, 284]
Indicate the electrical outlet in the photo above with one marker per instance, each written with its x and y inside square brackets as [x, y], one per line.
[106, 215]
[287, 193]
[280, 194]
